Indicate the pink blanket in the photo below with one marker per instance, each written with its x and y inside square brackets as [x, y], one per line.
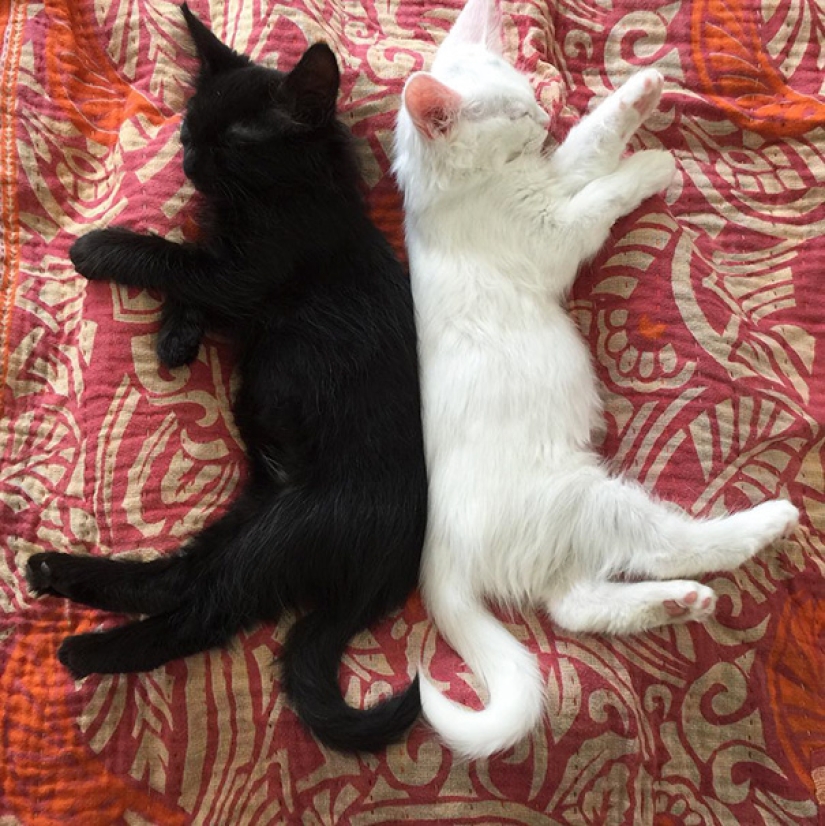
[705, 317]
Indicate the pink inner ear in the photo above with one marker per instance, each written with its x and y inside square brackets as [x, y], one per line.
[479, 22]
[432, 106]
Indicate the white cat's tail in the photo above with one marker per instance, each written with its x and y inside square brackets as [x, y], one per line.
[509, 671]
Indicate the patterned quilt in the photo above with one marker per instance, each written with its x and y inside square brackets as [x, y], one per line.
[704, 314]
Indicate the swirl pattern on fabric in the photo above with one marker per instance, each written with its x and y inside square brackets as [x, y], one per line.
[705, 320]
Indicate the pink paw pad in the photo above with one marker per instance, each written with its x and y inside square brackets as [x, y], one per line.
[652, 90]
[680, 607]
[696, 603]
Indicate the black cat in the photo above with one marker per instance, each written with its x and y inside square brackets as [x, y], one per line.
[333, 516]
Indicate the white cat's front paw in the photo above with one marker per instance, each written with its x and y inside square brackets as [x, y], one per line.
[649, 171]
[690, 601]
[643, 92]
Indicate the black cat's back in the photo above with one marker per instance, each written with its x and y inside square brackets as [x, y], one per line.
[329, 409]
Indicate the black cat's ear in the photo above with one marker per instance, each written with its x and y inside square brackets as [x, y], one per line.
[312, 86]
[214, 56]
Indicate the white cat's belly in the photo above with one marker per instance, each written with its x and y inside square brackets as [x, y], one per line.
[531, 387]
[503, 531]
[507, 424]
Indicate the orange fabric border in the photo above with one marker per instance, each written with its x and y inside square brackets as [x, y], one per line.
[12, 20]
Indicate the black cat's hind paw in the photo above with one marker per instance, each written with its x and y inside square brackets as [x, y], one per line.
[84, 654]
[88, 254]
[40, 573]
[63, 575]
[143, 645]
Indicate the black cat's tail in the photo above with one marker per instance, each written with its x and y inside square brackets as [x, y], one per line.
[311, 658]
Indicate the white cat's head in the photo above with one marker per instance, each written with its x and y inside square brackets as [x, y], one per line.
[473, 111]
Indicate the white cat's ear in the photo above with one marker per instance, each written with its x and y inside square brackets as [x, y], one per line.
[432, 106]
[479, 22]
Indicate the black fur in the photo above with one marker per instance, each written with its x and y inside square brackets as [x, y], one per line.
[332, 519]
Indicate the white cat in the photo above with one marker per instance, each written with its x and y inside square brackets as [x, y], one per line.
[521, 509]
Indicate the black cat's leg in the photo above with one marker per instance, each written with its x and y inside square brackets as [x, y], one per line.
[136, 259]
[130, 587]
[133, 587]
[180, 334]
[185, 272]
[148, 644]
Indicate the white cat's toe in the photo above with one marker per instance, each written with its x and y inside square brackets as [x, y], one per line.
[689, 601]
[643, 91]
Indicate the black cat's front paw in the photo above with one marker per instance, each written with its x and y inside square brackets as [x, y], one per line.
[103, 254]
[179, 345]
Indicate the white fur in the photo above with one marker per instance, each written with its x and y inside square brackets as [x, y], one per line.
[521, 509]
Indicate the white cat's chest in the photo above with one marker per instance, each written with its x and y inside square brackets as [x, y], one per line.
[500, 365]
[513, 220]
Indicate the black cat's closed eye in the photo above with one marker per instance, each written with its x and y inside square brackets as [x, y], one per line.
[249, 133]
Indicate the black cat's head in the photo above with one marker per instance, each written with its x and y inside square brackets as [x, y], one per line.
[248, 128]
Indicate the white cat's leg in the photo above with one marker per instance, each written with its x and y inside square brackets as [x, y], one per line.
[630, 607]
[594, 147]
[699, 546]
[637, 534]
[591, 213]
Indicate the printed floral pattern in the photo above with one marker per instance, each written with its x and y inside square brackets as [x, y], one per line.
[704, 315]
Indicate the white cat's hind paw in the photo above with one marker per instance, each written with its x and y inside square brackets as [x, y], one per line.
[776, 519]
[726, 543]
[690, 601]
